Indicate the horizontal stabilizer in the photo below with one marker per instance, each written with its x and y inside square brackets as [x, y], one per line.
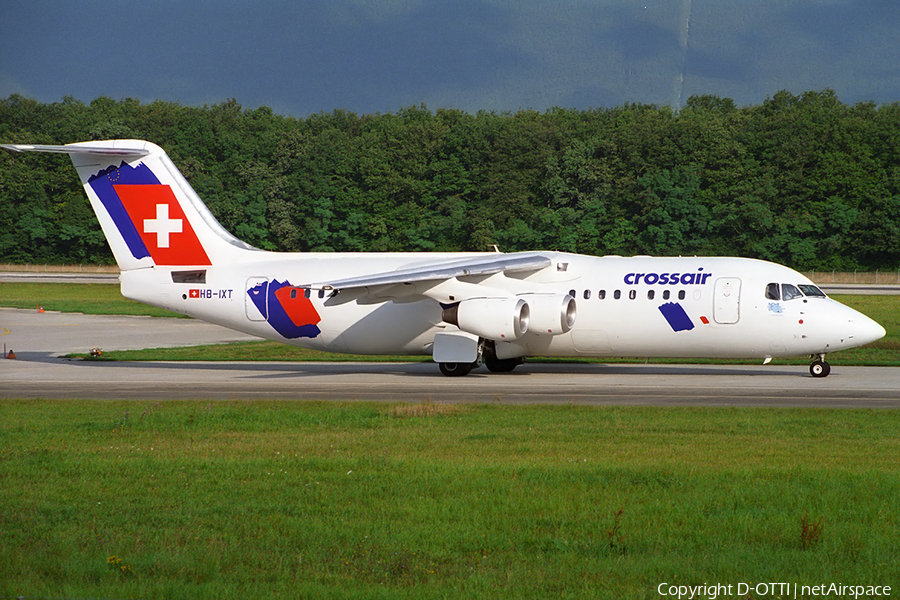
[106, 150]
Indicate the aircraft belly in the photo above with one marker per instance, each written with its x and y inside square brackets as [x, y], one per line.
[382, 329]
[686, 331]
[592, 342]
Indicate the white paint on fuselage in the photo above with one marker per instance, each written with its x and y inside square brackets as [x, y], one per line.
[610, 326]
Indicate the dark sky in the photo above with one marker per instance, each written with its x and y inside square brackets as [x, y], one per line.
[366, 56]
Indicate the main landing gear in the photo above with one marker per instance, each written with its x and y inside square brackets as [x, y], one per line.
[488, 358]
[818, 367]
[494, 365]
[456, 369]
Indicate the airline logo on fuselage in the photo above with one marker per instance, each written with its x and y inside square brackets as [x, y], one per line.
[676, 278]
[286, 309]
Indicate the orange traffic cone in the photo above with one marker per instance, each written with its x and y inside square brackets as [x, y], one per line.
[11, 354]
[40, 308]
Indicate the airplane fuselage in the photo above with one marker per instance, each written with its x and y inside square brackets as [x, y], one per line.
[626, 306]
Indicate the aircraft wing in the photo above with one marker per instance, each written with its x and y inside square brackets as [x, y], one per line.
[380, 287]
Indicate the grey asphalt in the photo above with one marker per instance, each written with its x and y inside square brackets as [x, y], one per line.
[38, 338]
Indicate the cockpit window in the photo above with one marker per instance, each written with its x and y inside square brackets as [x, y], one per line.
[812, 291]
[773, 292]
[789, 292]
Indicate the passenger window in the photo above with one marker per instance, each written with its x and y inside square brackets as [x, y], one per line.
[293, 293]
[632, 294]
[772, 292]
[666, 294]
[587, 294]
[681, 294]
[789, 292]
[307, 293]
[812, 291]
[601, 295]
[650, 294]
[321, 293]
[617, 294]
[572, 293]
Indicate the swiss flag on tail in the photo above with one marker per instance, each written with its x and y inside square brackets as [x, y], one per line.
[161, 224]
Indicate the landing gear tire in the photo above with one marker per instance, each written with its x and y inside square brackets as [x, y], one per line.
[455, 369]
[502, 366]
[496, 365]
[819, 368]
[499, 365]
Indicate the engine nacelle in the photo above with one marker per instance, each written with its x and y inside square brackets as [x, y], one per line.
[491, 318]
[551, 314]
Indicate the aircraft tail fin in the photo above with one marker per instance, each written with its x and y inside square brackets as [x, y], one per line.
[150, 214]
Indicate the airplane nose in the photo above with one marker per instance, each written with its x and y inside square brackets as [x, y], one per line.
[865, 330]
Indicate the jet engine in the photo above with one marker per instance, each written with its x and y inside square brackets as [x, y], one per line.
[551, 314]
[491, 318]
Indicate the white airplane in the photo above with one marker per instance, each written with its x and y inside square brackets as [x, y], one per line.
[464, 309]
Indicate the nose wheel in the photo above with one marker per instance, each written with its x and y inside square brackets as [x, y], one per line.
[818, 367]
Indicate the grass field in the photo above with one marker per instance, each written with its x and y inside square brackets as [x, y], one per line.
[329, 500]
[87, 298]
[307, 500]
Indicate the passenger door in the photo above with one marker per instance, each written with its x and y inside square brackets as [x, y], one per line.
[256, 304]
[727, 300]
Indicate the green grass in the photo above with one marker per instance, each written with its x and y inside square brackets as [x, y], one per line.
[106, 299]
[87, 298]
[302, 500]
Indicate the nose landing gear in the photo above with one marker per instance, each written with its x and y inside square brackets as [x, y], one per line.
[818, 367]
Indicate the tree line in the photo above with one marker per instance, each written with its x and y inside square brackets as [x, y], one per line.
[802, 180]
